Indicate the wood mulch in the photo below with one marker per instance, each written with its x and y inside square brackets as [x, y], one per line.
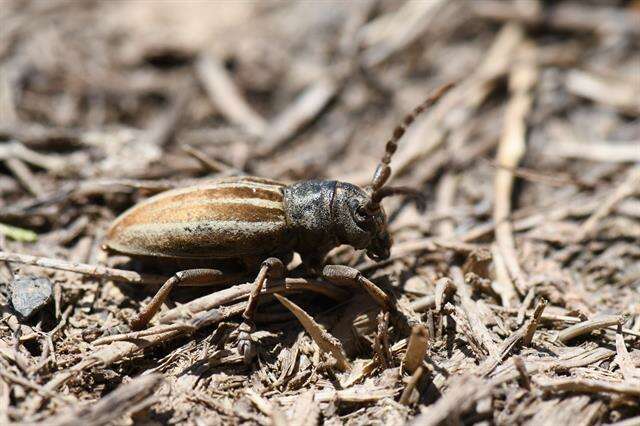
[517, 286]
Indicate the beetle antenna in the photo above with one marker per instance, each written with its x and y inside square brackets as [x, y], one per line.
[389, 191]
[383, 171]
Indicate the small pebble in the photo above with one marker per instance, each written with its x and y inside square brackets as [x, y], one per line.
[29, 294]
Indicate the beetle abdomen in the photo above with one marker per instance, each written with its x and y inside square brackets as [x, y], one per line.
[224, 219]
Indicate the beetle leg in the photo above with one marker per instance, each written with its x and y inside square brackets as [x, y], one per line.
[341, 274]
[189, 276]
[271, 268]
[404, 316]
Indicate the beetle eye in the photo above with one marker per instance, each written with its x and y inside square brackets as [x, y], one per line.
[361, 215]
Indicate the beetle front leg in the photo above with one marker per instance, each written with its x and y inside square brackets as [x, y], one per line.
[271, 268]
[341, 274]
[186, 277]
[402, 313]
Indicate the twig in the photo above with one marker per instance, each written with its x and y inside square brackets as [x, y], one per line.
[608, 91]
[522, 371]
[572, 384]
[381, 340]
[393, 32]
[38, 388]
[135, 335]
[533, 322]
[429, 133]
[562, 318]
[53, 163]
[24, 176]
[240, 291]
[99, 271]
[571, 16]
[587, 327]
[614, 152]
[533, 366]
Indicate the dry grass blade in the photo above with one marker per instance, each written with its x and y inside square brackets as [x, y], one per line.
[416, 348]
[510, 151]
[408, 391]
[325, 341]
[609, 91]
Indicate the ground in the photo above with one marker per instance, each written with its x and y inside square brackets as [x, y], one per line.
[516, 287]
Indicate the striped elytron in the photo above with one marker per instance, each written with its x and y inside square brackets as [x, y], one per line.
[252, 218]
[226, 218]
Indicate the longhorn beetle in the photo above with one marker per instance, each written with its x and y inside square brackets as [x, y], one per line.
[253, 219]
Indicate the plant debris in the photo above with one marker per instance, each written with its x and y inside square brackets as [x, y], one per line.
[512, 296]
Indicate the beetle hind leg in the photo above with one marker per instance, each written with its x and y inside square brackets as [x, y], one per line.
[187, 277]
[271, 268]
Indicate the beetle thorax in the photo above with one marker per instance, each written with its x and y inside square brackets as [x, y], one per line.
[309, 216]
[325, 214]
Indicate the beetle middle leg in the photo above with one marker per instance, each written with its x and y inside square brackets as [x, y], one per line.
[186, 277]
[271, 268]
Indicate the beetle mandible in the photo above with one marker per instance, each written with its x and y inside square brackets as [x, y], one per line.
[252, 218]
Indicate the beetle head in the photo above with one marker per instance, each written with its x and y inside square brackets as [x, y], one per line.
[357, 225]
[366, 224]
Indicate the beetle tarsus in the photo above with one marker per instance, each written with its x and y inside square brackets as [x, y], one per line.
[246, 344]
[271, 268]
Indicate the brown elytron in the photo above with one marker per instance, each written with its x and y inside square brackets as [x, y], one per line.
[251, 218]
[223, 219]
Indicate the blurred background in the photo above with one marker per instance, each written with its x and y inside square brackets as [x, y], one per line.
[105, 102]
[293, 90]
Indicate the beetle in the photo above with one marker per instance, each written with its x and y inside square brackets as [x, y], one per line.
[253, 219]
